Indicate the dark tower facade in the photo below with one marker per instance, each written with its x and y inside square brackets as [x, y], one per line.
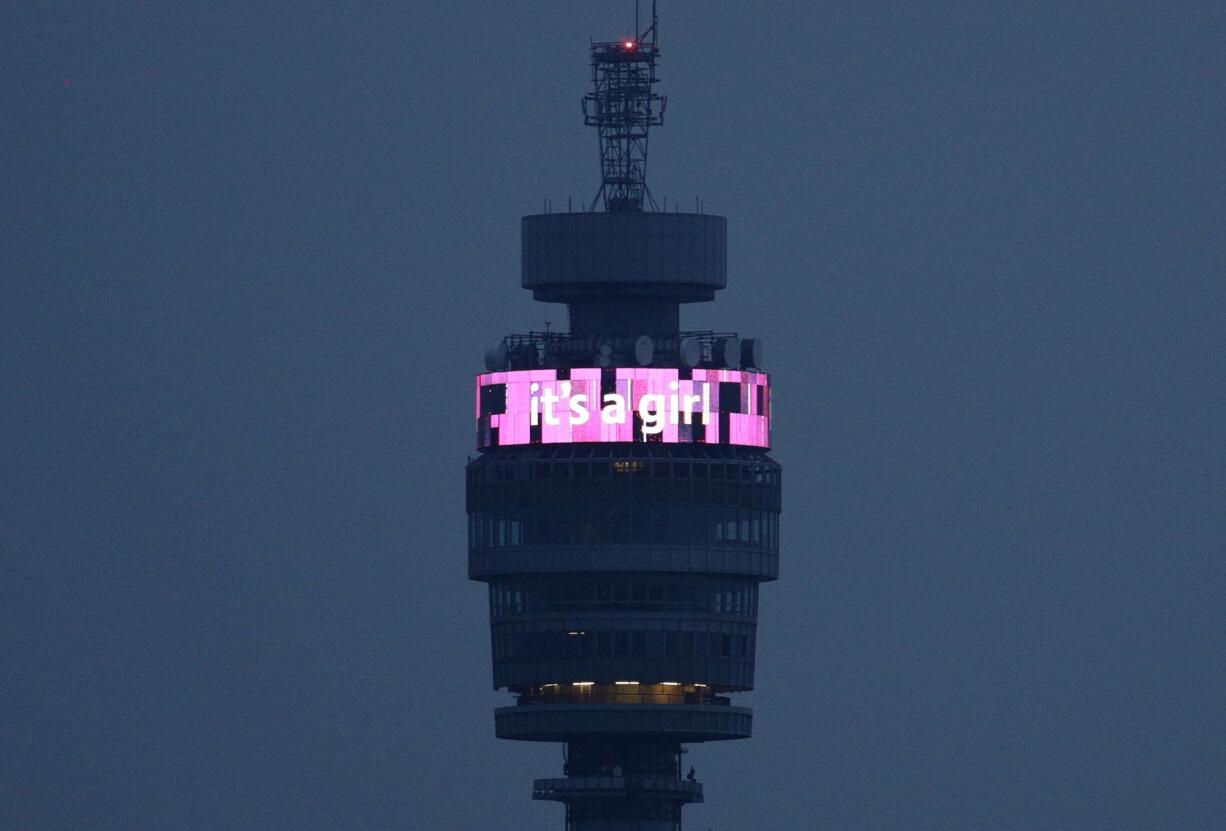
[623, 509]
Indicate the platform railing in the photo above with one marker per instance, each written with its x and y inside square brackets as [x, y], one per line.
[683, 789]
[529, 699]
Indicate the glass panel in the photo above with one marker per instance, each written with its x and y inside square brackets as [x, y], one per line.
[659, 525]
[642, 526]
[685, 644]
[621, 531]
[671, 644]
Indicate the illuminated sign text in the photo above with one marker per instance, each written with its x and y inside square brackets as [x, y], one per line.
[550, 406]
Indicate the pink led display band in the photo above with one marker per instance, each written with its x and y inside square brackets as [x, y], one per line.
[536, 406]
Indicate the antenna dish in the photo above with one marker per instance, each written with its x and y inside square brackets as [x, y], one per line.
[751, 352]
[496, 358]
[728, 352]
[644, 350]
[691, 352]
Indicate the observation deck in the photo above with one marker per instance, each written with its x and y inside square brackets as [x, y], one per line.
[682, 723]
[570, 256]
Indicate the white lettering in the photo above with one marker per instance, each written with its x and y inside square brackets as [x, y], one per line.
[578, 410]
[651, 410]
[549, 398]
[687, 408]
[614, 411]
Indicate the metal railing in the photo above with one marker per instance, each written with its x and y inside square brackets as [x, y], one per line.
[531, 350]
[568, 697]
[575, 785]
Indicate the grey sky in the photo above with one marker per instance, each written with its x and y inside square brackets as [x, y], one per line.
[252, 253]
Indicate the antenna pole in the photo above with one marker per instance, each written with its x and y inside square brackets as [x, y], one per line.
[623, 106]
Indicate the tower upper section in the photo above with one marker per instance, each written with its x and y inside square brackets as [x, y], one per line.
[624, 273]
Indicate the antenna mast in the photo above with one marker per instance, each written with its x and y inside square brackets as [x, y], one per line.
[622, 106]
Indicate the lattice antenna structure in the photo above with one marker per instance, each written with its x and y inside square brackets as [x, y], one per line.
[622, 106]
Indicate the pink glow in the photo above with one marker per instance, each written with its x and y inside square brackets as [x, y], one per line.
[745, 426]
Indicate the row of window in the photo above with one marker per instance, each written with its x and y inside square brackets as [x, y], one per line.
[582, 470]
[615, 815]
[632, 644]
[654, 594]
[688, 525]
[627, 450]
[673, 491]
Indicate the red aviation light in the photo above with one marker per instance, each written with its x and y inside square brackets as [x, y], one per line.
[629, 44]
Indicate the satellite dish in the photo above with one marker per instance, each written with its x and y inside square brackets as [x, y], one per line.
[496, 358]
[728, 352]
[606, 350]
[691, 352]
[644, 350]
[751, 352]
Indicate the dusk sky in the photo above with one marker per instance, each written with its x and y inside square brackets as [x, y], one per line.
[251, 255]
